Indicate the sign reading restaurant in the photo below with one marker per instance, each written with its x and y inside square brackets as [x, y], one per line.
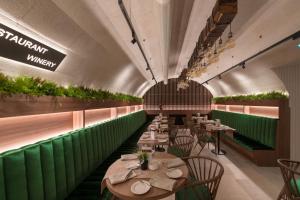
[19, 47]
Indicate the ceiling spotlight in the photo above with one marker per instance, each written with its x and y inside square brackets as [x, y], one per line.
[298, 45]
[220, 77]
[243, 65]
[133, 41]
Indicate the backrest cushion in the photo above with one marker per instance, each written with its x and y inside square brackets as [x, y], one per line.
[51, 169]
[257, 128]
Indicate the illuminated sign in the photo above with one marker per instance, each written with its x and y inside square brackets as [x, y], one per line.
[19, 47]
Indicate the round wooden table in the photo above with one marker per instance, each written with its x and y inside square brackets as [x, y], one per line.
[122, 190]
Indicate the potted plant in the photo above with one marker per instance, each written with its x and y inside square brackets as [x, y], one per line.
[143, 157]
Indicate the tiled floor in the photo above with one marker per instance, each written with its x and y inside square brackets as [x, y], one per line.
[243, 180]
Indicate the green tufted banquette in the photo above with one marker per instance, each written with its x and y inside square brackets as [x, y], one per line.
[254, 132]
[51, 169]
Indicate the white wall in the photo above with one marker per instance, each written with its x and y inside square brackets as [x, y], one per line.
[290, 77]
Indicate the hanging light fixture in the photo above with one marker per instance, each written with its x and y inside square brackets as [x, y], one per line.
[220, 41]
[230, 34]
[243, 65]
[215, 51]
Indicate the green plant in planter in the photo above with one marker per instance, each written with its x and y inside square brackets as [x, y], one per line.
[142, 156]
[274, 95]
[38, 87]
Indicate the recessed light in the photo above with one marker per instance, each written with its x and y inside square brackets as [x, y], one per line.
[298, 45]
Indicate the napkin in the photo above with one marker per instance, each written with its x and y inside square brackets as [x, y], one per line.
[132, 165]
[145, 137]
[162, 140]
[162, 136]
[129, 157]
[121, 176]
[146, 148]
[176, 162]
[163, 183]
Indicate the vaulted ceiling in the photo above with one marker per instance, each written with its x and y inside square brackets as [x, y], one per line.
[97, 41]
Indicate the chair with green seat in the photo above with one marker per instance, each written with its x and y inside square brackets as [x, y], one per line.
[204, 180]
[291, 175]
[204, 139]
[181, 146]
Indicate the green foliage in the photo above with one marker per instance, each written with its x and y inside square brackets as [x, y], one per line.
[274, 95]
[38, 87]
[143, 156]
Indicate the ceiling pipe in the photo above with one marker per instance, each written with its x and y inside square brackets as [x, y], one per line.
[135, 37]
[294, 36]
[164, 16]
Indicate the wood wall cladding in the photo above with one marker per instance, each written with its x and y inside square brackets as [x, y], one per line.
[16, 132]
[195, 97]
[19, 131]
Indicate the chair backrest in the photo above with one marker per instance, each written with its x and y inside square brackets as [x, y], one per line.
[291, 175]
[181, 146]
[202, 137]
[206, 172]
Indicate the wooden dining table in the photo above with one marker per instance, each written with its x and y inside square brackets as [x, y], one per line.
[160, 139]
[217, 130]
[123, 190]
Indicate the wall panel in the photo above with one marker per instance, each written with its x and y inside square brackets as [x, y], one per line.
[195, 97]
[290, 77]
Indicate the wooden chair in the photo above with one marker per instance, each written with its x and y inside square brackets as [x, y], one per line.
[291, 175]
[181, 146]
[203, 139]
[205, 177]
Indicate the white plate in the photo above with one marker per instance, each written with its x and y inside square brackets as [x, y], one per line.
[174, 173]
[140, 187]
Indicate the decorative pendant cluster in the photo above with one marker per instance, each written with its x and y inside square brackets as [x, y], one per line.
[210, 44]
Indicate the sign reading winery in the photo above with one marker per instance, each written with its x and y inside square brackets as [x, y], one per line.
[19, 47]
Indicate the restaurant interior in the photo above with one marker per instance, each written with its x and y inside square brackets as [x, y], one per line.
[149, 99]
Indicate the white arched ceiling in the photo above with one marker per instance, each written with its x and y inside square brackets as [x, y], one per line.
[96, 39]
[259, 75]
[94, 58]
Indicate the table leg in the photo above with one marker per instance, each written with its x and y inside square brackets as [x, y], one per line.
[218, 150]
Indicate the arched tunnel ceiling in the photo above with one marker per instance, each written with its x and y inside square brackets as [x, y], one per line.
[259, 74]
[96, 39]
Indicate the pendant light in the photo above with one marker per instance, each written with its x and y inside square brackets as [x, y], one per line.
[230, 34]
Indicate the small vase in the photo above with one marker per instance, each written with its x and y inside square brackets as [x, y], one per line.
[144, 165]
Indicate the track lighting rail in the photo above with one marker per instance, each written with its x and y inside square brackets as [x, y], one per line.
[135, 38]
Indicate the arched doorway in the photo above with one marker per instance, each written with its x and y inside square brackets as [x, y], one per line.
[196, 98]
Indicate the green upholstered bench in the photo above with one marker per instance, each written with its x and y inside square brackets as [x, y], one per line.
[52, 169]
[255, 135]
